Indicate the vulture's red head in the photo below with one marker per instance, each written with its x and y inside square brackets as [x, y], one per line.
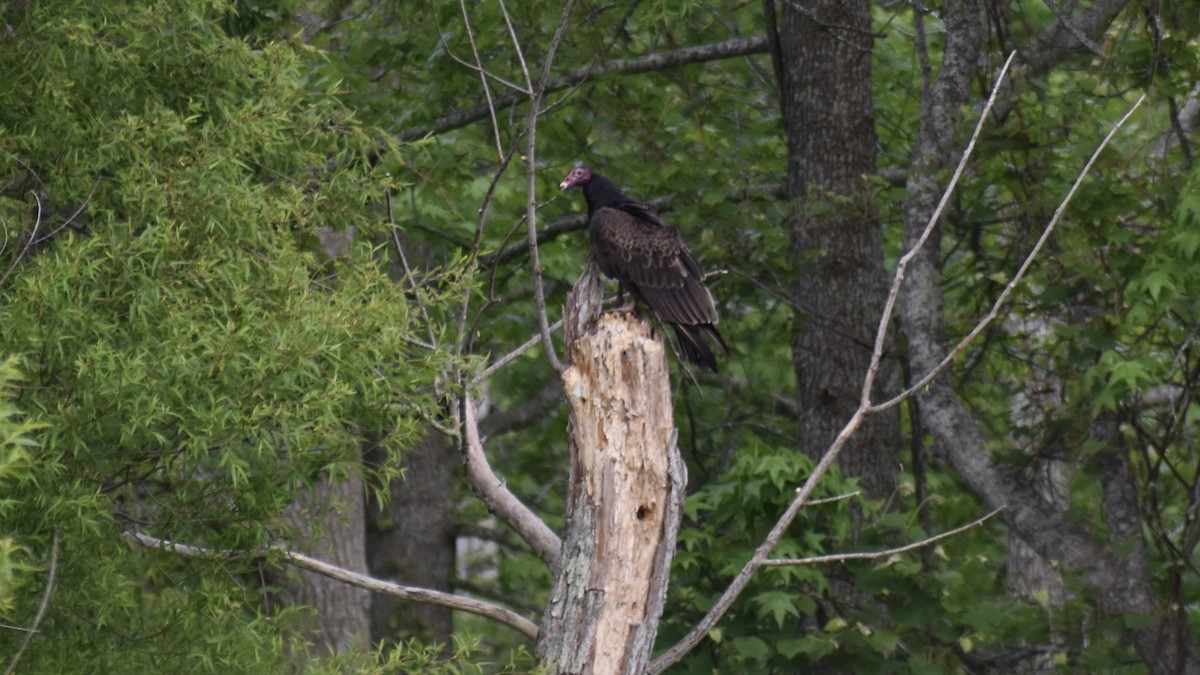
[579, 176]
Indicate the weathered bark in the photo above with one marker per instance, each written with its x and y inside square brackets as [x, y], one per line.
[625, 498]
[1115, 568]
[341, 620]
[411, 541]
[1029, 575]
[1076, 29]
[824, 66]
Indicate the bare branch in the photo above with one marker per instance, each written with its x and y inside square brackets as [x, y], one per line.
[659, 61]
[898, 278]
[37, 222]
[839, 498]
[399, 591]
[51, 578]
[508, 358]
[1086, 23]
[872, 555]
[465, 338]
[1068, 23]
[497, 497]
[531, 205]
[409, 278]
[694, 636]
[739, 583]
[1016, 278]
[483, 71]
[487, 91]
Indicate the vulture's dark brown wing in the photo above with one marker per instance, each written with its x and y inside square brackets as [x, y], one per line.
[652, 261]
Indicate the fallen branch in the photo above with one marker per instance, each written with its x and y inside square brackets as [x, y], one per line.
[399, 591]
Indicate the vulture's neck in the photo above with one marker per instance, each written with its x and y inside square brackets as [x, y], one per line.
[600, 192]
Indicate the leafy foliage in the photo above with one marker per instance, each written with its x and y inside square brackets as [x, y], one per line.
[194, 356]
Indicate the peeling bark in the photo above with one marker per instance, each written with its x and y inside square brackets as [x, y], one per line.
[625, 497]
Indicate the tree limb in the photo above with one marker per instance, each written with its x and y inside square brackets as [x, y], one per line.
[955, 431]
[483, 77]
[301, 561]
[1069, 33]
[872, 555]
[658, 61]
[496, 495]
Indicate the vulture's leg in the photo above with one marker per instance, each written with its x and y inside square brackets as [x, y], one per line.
[621, 307]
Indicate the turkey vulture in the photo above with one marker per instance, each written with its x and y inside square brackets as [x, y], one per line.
[649, 259]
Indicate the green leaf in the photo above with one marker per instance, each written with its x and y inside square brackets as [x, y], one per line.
[752, 648]
[778, 604]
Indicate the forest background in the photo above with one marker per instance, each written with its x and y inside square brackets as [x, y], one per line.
[269, 270]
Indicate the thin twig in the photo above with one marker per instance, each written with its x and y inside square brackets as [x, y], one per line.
[395, 590]
[872, 555]
[1084, 40]
[70, 219]
[51, 578]
[28, 242]
[464, 338]
[483, 71]
[487, 91]
[539, 294]
[507, 358]
[409, 278]
[830, 500]
[512, 33]
[594, 62]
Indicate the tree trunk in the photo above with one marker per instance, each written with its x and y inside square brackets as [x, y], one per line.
[411, 541]
[823, 62]
[625, 498]
[341, 621]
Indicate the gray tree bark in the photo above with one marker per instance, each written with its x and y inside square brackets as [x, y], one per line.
[411, 541]
[341, 621]
[823, 63]
[625, 496]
